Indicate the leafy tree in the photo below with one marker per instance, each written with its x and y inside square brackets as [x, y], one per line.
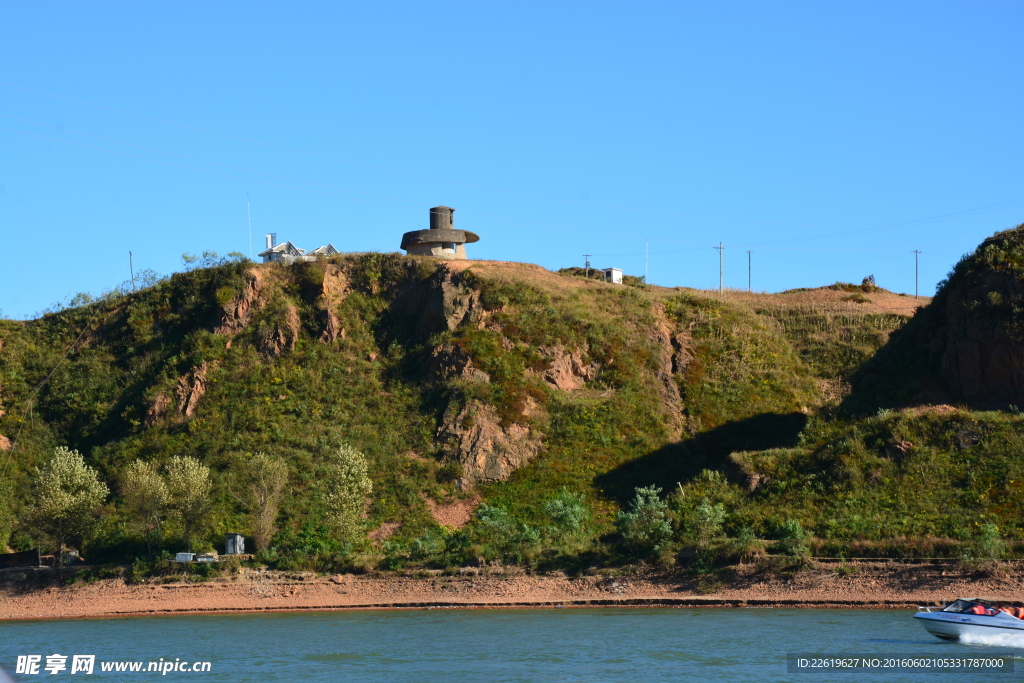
[569, 514]
[262, 480]
[188, 482]
[645, 525]
[67, 493]
[145, 497]
[347, 489]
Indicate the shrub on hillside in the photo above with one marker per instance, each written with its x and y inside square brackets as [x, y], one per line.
[793, 540]
[645, 525]
[500, 537]
[569, 514]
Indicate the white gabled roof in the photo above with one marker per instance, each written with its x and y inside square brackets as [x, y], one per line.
[285, 248]
[323, 251]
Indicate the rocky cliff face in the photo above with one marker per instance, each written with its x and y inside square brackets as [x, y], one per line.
[977, 344]
[471, 433]
[967, 346]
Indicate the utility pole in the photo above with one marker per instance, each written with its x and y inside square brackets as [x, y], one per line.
[248, 213]
[748, 269]
[720, 249]
[131, 269]
[916, 253]
[586, 264]
[647, 259]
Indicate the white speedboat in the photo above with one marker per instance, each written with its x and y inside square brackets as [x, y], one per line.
[972, 617]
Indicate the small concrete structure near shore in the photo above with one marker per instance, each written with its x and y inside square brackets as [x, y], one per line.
[441, 239]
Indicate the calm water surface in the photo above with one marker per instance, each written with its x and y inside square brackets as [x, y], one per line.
[649, 645]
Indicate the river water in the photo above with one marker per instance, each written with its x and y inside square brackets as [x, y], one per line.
[469, 646]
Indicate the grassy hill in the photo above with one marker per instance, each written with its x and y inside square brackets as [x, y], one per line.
[507, 389]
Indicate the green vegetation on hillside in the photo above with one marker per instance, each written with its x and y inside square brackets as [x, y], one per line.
[650, 423]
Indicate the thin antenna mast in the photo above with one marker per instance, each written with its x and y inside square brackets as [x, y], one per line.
[721, 249]
[916, 252]
[131, 269]
[248, 213]
[647, 259]
[748, 269]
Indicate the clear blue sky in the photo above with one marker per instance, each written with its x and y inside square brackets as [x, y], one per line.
[830, 138]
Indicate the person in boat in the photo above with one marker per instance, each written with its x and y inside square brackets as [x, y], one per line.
[978, 608]
[1015, 612]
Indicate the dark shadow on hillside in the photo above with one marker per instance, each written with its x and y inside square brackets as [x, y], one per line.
[904, 372]
[682, 461]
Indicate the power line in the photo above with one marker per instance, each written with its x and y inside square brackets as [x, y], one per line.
[31, 397]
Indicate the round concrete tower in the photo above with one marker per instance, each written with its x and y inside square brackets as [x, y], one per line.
[441, 239]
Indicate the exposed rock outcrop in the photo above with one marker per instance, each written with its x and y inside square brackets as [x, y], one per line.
[335, 288]
[985, 369]
[474, 436]
[567, 370]
[332, 327]
[441, 303]
[452, 361]
[5, 443]
[672, 355]
[158, 406]
[191, 388]
[235, 314]
[275, 337]
[977, 340]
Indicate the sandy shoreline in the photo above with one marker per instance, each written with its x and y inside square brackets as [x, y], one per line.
[871, 585]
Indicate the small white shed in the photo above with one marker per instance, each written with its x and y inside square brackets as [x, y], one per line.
[185, 557]
[613, 275]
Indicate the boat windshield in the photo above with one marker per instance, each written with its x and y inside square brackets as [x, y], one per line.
[959, 606]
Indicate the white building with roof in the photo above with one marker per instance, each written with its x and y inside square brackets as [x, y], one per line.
[289, 253]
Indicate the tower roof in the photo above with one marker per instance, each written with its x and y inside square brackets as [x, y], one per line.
[438, 236]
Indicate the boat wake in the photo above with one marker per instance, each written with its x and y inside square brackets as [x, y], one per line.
[1013, 640]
